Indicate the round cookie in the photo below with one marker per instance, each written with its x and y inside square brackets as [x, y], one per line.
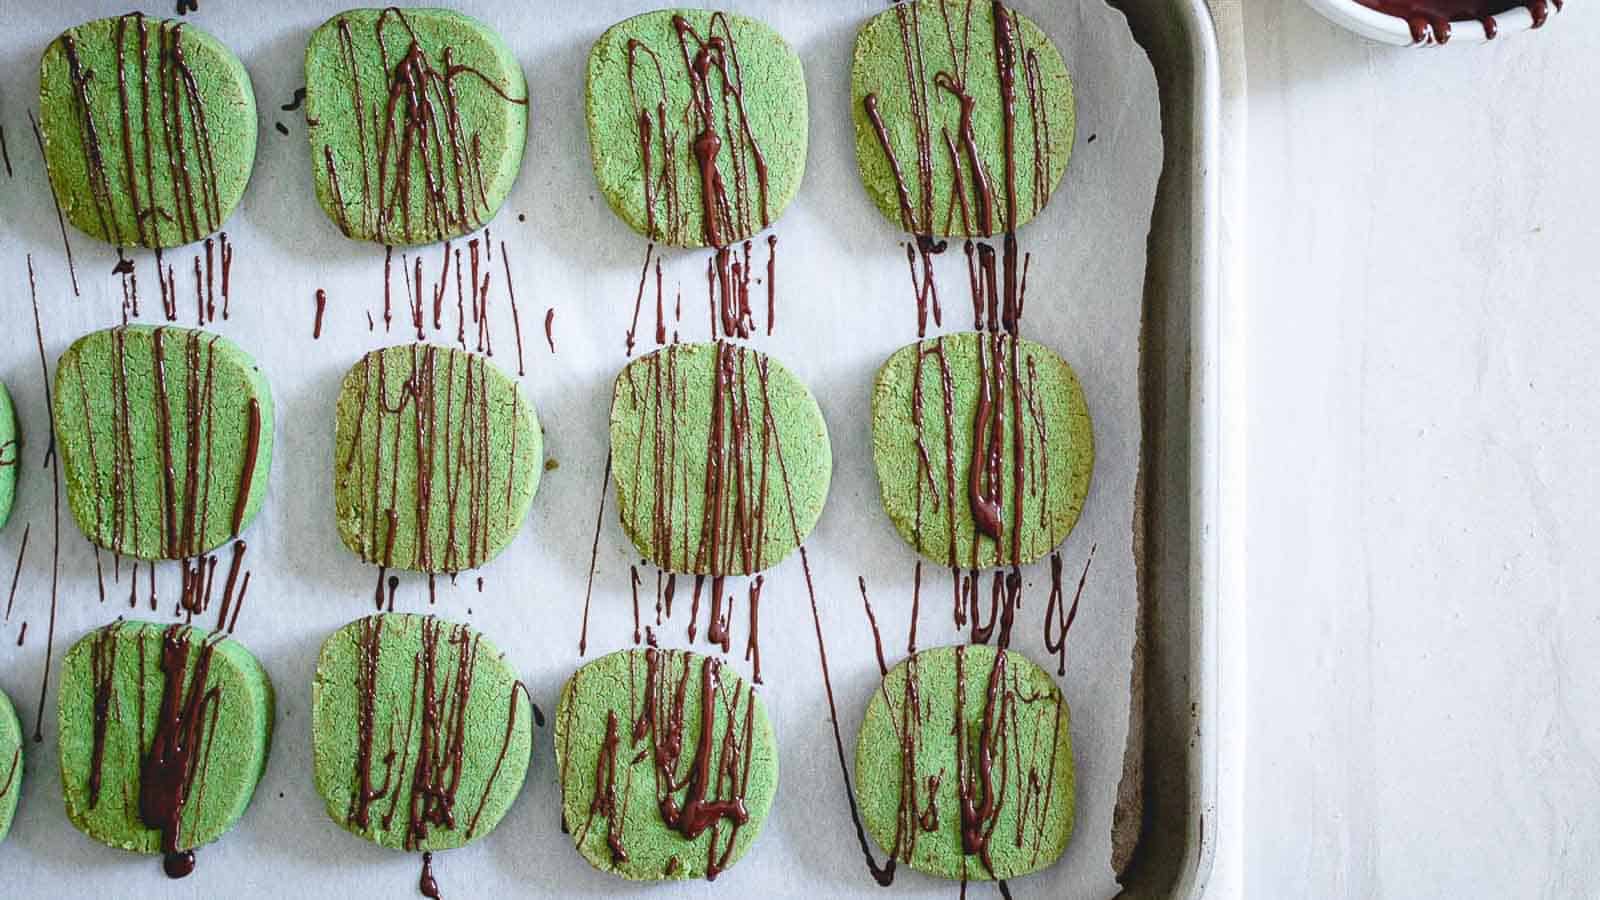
[653, 142]
[420, 732]
[720, 456]
[165, 436]
[390, 168]
[164, 736]
[928, 96]
[10, 455]
[11, 769]
[657, 783]
[437, 457]
[997, 805]
[149, 129]
[927, 414]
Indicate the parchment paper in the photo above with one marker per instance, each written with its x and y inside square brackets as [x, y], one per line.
[844, 302]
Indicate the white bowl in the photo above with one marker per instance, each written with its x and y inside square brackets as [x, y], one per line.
[1379, 26]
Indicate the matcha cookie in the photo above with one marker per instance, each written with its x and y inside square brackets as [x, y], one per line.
[10, 764]
[720, 456]
[165, 436]
[10, 455]
[417, 120]
[436, 459]
[667, 762]
[149, 129]
[420, 730]
[983, 447]
[697, 125]
[963, 128]
[998, 804]
[164, 735]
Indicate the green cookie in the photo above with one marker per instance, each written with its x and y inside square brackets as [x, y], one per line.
[417, 120]
[164, 735]
[932, 83]
[420, 731]
[994, 806]
[149, 129]
[721, 459]
[678, 94]
[165, 435]
[11, 770]
[436, 459]
[927, 416]
[10, 455]
[657, 783]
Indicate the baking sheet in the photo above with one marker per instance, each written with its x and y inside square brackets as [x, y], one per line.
[844, 302]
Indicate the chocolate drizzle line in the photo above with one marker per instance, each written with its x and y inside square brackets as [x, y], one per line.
[5, 152]
[423, 151]
[180, 144]
[61, 222]
[52, 460]
[11, 774]
[16, 573]
[1058, 618]
[594, 556]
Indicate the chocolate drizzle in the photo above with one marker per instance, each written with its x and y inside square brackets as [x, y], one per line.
[423, 758]
[695, 794]
[176, 139]
[186, 408]
[729, 534]
[419, 156]
[439, 418]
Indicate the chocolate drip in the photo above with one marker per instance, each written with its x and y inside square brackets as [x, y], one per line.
[423, 150]
[322, 306]
[1431, 21]
[185, 724]
[426, 885]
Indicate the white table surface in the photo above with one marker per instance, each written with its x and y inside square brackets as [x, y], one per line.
[1419, 398]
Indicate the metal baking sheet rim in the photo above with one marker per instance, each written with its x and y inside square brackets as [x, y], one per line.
[1169, 790]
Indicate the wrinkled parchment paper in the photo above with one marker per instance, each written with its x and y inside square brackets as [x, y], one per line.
[844, 302]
